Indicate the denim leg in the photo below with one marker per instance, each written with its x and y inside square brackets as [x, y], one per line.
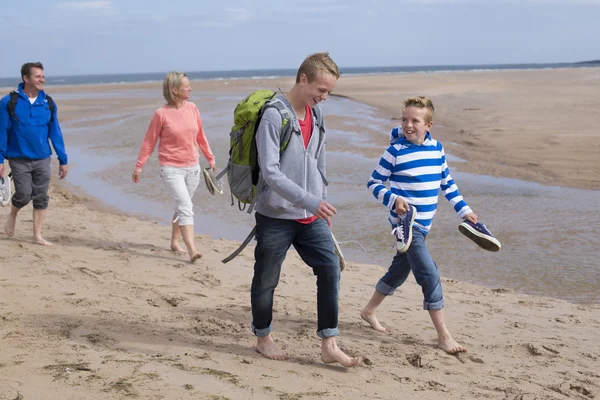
[274, 237]
[395, 276]
[426, 272]
[315, 246]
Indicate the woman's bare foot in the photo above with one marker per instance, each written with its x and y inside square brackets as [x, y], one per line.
[267, 347]
[177, 248]
[331, 353]
[450, 345]
[195, 257]
[9, 228]
[41, 241]
[370, 317]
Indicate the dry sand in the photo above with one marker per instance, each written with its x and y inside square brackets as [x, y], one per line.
[109, 313]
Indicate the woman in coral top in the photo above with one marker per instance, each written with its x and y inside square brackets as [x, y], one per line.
[178, 125]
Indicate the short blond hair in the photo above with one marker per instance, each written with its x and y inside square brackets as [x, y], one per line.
[316, 63]
[421, 102]
[172, 81]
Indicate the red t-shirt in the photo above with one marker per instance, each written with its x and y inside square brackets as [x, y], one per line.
[306, 127]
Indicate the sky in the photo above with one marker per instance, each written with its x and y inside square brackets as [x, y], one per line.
[84, 37]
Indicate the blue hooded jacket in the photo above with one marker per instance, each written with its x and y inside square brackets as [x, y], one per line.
[29, 137]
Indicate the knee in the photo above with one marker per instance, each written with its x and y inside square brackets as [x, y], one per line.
[21, 198]
[41, 202]
[185, 213]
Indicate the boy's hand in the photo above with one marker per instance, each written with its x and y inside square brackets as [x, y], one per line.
[325, 210]
[401, 206]
[472, 217]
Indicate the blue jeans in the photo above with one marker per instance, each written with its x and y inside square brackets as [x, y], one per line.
[418, 260]
[315, 246]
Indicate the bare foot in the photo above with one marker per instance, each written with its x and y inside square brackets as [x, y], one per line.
[177, 248]
[331, 353]
[450, 346]
[372, 320]
[267, 347]
[196, 256]
[41, 241]
[9, 228]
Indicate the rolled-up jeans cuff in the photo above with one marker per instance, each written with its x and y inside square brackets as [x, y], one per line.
[384, 288]
[438, 305]
[329, 332]
[262, 332]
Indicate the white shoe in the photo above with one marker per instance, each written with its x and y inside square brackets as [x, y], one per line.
[4, 190]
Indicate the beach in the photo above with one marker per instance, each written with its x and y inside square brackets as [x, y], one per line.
[109, 312]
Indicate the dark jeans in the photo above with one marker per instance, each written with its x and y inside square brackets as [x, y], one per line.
[315, 246]
[31, 179]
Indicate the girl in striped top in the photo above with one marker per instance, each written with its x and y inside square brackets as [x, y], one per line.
[416, 167]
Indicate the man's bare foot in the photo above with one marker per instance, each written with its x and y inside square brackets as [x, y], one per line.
[267, 347]
[195, 257]
[9, 228]
[177, 248]
[450, 346]
[41, 241]
[331, 353]
[372, 320]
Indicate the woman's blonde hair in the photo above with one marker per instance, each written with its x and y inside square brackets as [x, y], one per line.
[172, 81]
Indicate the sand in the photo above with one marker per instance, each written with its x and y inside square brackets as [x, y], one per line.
[109, 312]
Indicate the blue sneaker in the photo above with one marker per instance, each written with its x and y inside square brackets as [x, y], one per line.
[480, 235]
[4, 190]
[403, 232]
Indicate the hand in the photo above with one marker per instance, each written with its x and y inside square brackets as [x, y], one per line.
[1, 169]
[329, 223]
[472, 217]
[63, 170]
[214, 168]
[325, 210]
[401, 206]
[136, 176]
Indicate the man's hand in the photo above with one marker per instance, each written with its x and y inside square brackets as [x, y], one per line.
[63, 170]
[401, 206]
[472, 217]
[2, 169]
[136, 176]
[329, 223]
[325, 210]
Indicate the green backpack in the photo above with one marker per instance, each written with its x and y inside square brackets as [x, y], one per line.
[242, 168]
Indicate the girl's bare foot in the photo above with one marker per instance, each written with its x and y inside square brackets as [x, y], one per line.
[41, 241]
[194, 257]
[331, 353]
[177, 248]
[450, 346]
[267, 347]
[372, 320]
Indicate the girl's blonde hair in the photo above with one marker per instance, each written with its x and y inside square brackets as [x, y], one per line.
[172, 81]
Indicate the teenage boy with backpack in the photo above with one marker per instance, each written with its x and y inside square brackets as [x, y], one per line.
[291, 209]
[28, 123]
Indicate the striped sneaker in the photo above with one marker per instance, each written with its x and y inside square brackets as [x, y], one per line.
[4, 190]
[480, 235]
[403, 232]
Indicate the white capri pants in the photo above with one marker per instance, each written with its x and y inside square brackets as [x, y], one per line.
[182, 183]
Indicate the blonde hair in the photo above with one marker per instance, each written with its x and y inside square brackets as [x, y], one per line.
[421, 102]
[172, 81]
[315, 63]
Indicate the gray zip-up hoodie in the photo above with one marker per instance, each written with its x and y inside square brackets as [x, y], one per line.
[291, 186]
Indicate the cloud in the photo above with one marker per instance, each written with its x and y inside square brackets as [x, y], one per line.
[86, 5]
[238, 14]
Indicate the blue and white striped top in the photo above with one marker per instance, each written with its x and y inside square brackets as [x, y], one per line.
[416, 173]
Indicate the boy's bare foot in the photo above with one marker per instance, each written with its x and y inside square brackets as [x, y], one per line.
[451, 346]
[177, 248]
[372, 320]
[196, 256]
[267, 347]
[41, 241]
[331, 353]
[9, 228]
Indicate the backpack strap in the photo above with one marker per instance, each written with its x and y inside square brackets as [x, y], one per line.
[12, 105]
[287, 128]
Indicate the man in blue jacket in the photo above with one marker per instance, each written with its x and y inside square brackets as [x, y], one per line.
[28, 123]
